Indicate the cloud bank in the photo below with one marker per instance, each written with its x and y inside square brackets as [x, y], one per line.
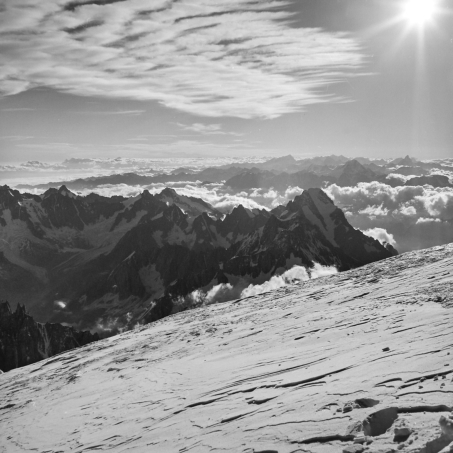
[381, 235]
[414, 217]
[225, 292]
[215, 58]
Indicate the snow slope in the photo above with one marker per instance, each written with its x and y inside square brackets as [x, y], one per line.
[306, 368]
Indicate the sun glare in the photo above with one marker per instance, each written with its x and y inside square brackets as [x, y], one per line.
[419, 12]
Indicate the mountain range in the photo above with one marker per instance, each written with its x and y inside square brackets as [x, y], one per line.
[106, 262]
[348, 174]
[279, 174]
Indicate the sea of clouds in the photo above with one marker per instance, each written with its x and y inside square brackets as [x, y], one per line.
[408, 217]
[37, 172]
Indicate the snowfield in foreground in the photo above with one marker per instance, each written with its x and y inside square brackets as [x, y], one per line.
[363, 356]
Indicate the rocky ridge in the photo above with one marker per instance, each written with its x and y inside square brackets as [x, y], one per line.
[123, 260]
[360, 361]
[24, 341]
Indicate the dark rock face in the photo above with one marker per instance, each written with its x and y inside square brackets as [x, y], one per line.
[213, 174]
[255, 178]
[432, 180]
[65, 209]
[12, 278]
[349, 174]
[353, 172]
[24, 341]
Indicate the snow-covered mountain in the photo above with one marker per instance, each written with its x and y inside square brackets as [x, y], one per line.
[356, 362]
[97, 259]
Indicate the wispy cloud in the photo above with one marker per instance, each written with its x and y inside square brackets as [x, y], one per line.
[146, 146]
[215, 58]
[160, 146]
[17, 109]
[47, 146]
[207, 129]
[114, 112]
[16, 138]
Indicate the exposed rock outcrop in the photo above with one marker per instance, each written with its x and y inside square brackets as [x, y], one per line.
[24, 341]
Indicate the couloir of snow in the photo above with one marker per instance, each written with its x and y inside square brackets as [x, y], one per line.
[286, 371]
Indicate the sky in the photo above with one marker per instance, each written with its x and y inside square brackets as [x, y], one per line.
[196, 78]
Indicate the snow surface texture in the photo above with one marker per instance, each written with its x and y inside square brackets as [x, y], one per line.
[361, 356]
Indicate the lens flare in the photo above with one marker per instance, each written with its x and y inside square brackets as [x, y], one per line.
[419, 12]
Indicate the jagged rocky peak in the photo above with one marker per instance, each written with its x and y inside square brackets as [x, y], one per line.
[49, 192]
[192, 206]
[312, 198]
[353, 164]
[5, 308]
[96, 198]
[12, 200]
[278, 163]
[169, 192]
[242, 221]
[146, 194]
[240, 211]
[353, 172]
[9, 197]
[317, 196]
[170, 197]
[24, 341]
[407, 161]
[287, 159]
[5, 191]
[175, 214]
[353, 167]
[63, 190]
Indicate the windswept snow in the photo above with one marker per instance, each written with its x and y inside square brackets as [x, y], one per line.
[307, 367]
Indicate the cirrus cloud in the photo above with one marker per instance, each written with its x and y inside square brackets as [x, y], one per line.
[213, 58]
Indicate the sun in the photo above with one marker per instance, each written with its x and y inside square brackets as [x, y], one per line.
[419, 12]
